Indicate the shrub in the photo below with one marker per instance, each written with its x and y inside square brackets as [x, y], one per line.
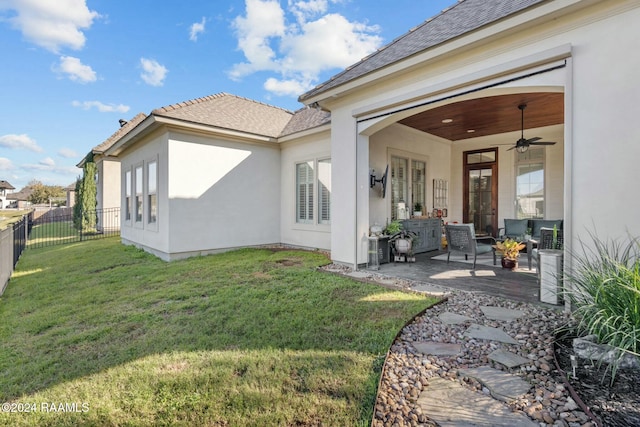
[604, 289]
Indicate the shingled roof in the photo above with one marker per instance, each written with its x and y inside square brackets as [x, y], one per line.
[4, 185]
[126, 127]
[461, 18]
[230, 112]
[306, 118]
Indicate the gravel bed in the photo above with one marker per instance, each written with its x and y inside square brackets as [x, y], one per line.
[407, 372]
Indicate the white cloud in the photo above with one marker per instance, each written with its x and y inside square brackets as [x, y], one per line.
[152, 72]
[76, 70]
[298, 51]
[19, 141]
[196, 28]
[51, 24]
[5, 164]
[48, 162]
[101, 107]
[67, 153]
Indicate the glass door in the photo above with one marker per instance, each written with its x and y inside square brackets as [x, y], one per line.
[481, 191]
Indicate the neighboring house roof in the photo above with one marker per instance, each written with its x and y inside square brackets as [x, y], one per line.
[230, 112]
[4, 185]
[22, 195]
[461, 18]
[306, 118]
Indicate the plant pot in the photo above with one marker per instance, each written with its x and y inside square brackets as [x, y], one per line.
[417, 213]
[509, 263]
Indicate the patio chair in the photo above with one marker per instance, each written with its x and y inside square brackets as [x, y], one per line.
[546, 242]
[514, 229]
[462, 238]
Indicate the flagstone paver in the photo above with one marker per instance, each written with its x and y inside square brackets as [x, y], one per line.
[451, 405]
[438, 348]
[507, 358]
[500, 313]
[502, 385]
[488, 333]
[453, 318]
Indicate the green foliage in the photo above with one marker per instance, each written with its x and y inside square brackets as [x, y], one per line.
[393, 227]
[604, 289]
[250, 337]
[77, 207]
[41, 193]
[87, 199]
[509, 248]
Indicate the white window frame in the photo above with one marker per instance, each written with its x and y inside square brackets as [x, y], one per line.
[128, 200]
[151, 191]
[138, 194]
[518, 162]
[410, 158]
[315, 183]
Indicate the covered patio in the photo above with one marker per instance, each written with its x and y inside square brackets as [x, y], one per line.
[518, 285]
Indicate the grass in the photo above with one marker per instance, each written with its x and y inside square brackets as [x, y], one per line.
[251, 337]
[53, 233]
[605, 294]
[9, 216]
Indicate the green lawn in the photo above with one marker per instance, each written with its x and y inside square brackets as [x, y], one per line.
[251, 337]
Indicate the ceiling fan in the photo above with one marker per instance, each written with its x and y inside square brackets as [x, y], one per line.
[522, 145]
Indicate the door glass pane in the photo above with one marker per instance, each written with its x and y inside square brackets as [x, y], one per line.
[399, 185]
[480, 210]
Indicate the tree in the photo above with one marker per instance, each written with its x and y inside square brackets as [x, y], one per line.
[41, 193]
[85, 217]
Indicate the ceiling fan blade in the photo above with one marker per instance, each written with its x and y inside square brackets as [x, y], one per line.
[511, 148]
[542, 143]
[535, 138]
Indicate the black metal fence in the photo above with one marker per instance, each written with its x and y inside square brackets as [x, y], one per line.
[51, 226]
[57, 227]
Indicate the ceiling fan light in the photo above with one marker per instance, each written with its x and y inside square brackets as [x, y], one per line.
[522, 148]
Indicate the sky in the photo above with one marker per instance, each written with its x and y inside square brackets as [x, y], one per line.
[70, 69]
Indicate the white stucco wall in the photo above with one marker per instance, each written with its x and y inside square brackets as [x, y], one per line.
[600, 148]
[402, 141]
[153, 238]
[110, 185]
[221, 194]
[309, 148]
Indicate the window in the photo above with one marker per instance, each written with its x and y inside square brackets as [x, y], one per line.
[152, 197]
[405, 182]
[138, 207]
[304, 195]
[324, 191]
[313, 192]
[127, 197]
[530, 184]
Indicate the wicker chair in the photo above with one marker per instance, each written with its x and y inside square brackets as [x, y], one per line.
[462, 238]
[546, 242]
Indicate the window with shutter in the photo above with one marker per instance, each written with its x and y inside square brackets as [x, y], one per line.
[304, 196]
[324, 191]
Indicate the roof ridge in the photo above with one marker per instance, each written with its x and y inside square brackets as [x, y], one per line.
[203, 99]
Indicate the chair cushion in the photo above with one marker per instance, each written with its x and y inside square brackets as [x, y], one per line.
[483, 248]
[537, 224]
[515, 228]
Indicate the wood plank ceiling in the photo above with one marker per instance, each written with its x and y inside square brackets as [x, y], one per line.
[490, 115]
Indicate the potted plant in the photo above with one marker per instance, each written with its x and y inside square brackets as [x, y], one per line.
[417, 209]
[510, 250]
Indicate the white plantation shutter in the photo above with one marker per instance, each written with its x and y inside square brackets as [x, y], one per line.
[324, 191]
[399, 184]
[304, 185]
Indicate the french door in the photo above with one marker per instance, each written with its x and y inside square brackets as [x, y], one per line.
[480, 200]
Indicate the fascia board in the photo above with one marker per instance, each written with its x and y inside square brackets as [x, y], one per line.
[208, 129]
[526, 19]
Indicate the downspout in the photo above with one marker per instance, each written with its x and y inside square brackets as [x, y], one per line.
[356, 241]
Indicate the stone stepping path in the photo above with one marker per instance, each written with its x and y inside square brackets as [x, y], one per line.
[488, 333]
[450, 404]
